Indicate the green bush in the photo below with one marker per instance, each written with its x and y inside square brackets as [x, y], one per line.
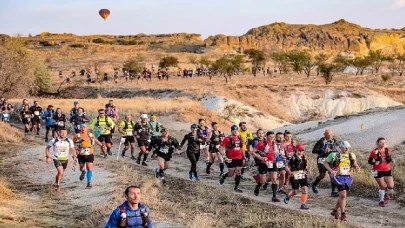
[386, 77]
[98, 41]
[76, 46]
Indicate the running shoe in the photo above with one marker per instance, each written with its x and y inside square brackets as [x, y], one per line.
[157, 172]
[237, 190]
[222, 180]
[89, 185]
[123, 154]
[315, 189]
[274, 199]
[257, 190]
[304, 206]
[382, 204]
[109, 152]
[190, 176]
[82, 175]
[387, 197]
[286, 199]
[144, 163]
[196, 177]
[343, 217]
[335, 213]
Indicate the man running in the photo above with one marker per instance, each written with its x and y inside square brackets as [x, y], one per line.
[259, 138]
[216, 137]
[232, 145]
[156, 126]
[79, 119]
[132, 213]
[36, 120]
[112, 114]
[102, 126]
[204, 136]
[298, 176]
[381, 159]
[126, 128]
[75, 109]
[247, 136]
[26, 116]
[192, 151]
[279, 150]
[60, 121]
[6, 110]
[340, 165]
[85, 141]
[143, 131]
[323, 148]
[61, 146]
[164, 146]
[49, 121]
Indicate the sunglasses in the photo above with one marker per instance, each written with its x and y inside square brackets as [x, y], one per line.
[101, 113]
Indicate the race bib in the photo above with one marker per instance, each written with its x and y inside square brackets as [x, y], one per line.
[269, 164]
[130, 133]
[300, 175]
[6, 115]
[61, 124]
[344, 170]
[280, 164]
[227, 160]
[62, 152]
[374, 173]
[321, 160]
[84, 151]
[36, 113]
[202, 146]
[164, 150]
[27, 116]
[217, 146]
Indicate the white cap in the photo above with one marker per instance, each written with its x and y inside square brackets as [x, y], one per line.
[144, 116]
[345, 144]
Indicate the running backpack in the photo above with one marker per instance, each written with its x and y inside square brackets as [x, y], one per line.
[57, 140]
[232, 144]
[337, 160]
[144, 220]
[126, 125]
[105, 120]
[388, 158]
[157, 126]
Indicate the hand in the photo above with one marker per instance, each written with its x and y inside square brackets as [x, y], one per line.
[264, 159]
[48, 160]
[179, 152]
[332, 173]
[327, 150]
[154, 156]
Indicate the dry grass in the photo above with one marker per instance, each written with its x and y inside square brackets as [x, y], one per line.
[10, 134]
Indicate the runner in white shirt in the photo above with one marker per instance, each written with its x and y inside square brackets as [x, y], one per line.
[60, 148]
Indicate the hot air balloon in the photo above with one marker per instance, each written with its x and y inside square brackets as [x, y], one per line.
[104, 13]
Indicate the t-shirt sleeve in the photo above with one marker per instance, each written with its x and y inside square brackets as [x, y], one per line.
[373, 155]
[331, 157]
[225, 142]
[51, 142]
[122, 125]
[71, 144]
[259, 146]
[354, 156]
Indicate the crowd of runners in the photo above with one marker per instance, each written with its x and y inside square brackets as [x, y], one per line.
[281, 161]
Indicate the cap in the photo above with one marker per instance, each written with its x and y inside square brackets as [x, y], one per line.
[193, 126]
[234, 128]
[50, 106]
[300, 147]
[144, 116]
[153, 116]
[75, 102]
[345, 144]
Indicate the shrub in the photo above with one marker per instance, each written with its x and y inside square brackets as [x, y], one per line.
[98, 41]
[386, 77]
[76, 46]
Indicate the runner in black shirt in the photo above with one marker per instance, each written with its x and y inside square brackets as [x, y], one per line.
[193, 150]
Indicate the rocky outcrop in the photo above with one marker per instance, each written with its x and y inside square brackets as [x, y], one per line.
[340, 36]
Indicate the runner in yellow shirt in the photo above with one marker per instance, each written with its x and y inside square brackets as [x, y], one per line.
[247, 137]
[102, 126]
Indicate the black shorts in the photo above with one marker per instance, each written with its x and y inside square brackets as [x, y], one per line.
[36, 120]
[85, 158]
[26, 121]
[166, 157]
[129, 140]
[322, 168]
[144, 143]
[51, 127]
[58, 163]
[105, 138]
[263, 169]
[234, 163]
[380, 174]
[213, 149]
[295, 184]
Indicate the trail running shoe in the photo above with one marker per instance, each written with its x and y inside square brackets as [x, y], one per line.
[196, 177]
[208, 170]
[237, 190]
[382, 204]
[274, 199]
[315, 189]
[286, 199]
[105, 155]
[157, 173]
[144, 163]
[222, 180]
[82, 176]
[281, 191]
[190, 176]
[304, 206]
[123, 154]
[335, 214]
[387, 197]
[257, 190]
[163, 180]
[89, 185]
[109, 152]
[138, 161]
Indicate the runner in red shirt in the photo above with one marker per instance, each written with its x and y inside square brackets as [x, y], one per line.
[233, 145]
[381, 159]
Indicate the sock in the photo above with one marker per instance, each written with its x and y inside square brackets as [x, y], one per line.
[26, 130]
[274, 189]
[221, 167]
[83, 171]
[161, 173]
[195, 173]
[145, 156]
[333, 185]
[317, 180]
[209, 164]
[381, 194]
[304, 197]
[89, 176]
[237, 181]
[243, 171]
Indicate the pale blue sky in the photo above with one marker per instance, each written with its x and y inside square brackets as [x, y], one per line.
[208, 17]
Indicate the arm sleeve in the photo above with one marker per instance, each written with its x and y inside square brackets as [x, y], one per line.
[318, 148]
[372, 159]
[93, 124]
[114, 219]
[175, 143]
[183, 141]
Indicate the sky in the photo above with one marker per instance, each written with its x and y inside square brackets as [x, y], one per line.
[206, 17]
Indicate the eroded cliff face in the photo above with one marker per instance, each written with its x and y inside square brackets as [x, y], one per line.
[340, 36]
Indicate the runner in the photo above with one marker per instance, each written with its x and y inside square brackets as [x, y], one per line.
[132, 213]
[216, 137]
[340, 165]
[156, 126]
[49, 121]
[192, 151]
[204, 135]
[61, 146]
[266, 159]
[102, 125]
[36, 120]
[79, 119]
[60, 121]
[289, 144]
[24, 102]
[114, 108]
[298, 175]
[381, 160]
[279, 150]
[247, 136]
[6, 110]
[259, 138]
[126, 128]
[143, 131]
[112, 114]
[232, 145]
[84, 142]
[75, 109]
[164, 148]
[323, 148]
[25, 116]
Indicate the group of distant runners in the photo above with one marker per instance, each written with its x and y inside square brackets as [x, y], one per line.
[279, 158]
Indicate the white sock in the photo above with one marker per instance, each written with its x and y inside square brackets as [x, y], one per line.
[381, 194]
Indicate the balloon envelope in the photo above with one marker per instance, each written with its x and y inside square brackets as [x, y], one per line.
[104, 13]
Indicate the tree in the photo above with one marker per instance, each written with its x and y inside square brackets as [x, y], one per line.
[204, 61]
[281, 61]
[168, 61]
[376, 59]
[328, 70]
[360, 64]
[193, 60]
[301, 61]
[21, 73]
[258, 59]
[401, 64]
[225, 66]
[341, 62]
[237, 62]
[320, 59]
[133, 66]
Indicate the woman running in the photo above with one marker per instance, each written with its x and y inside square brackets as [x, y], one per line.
[26, 115]
[193, 150]
[60, 121]
[381, 160]
[216, 137]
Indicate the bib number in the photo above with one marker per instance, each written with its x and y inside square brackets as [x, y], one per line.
[27, 116]
[269, 164]
[61, 153]
[280, 164]
[61, 124]
[164, 150]
[299, 176]
[217, 146]
[202, 146]
[36, 113]
[228, 160]
[321, 160]
[5, 115]
[84, 151]
[374, 173]
[130, 133]
[344, 170]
